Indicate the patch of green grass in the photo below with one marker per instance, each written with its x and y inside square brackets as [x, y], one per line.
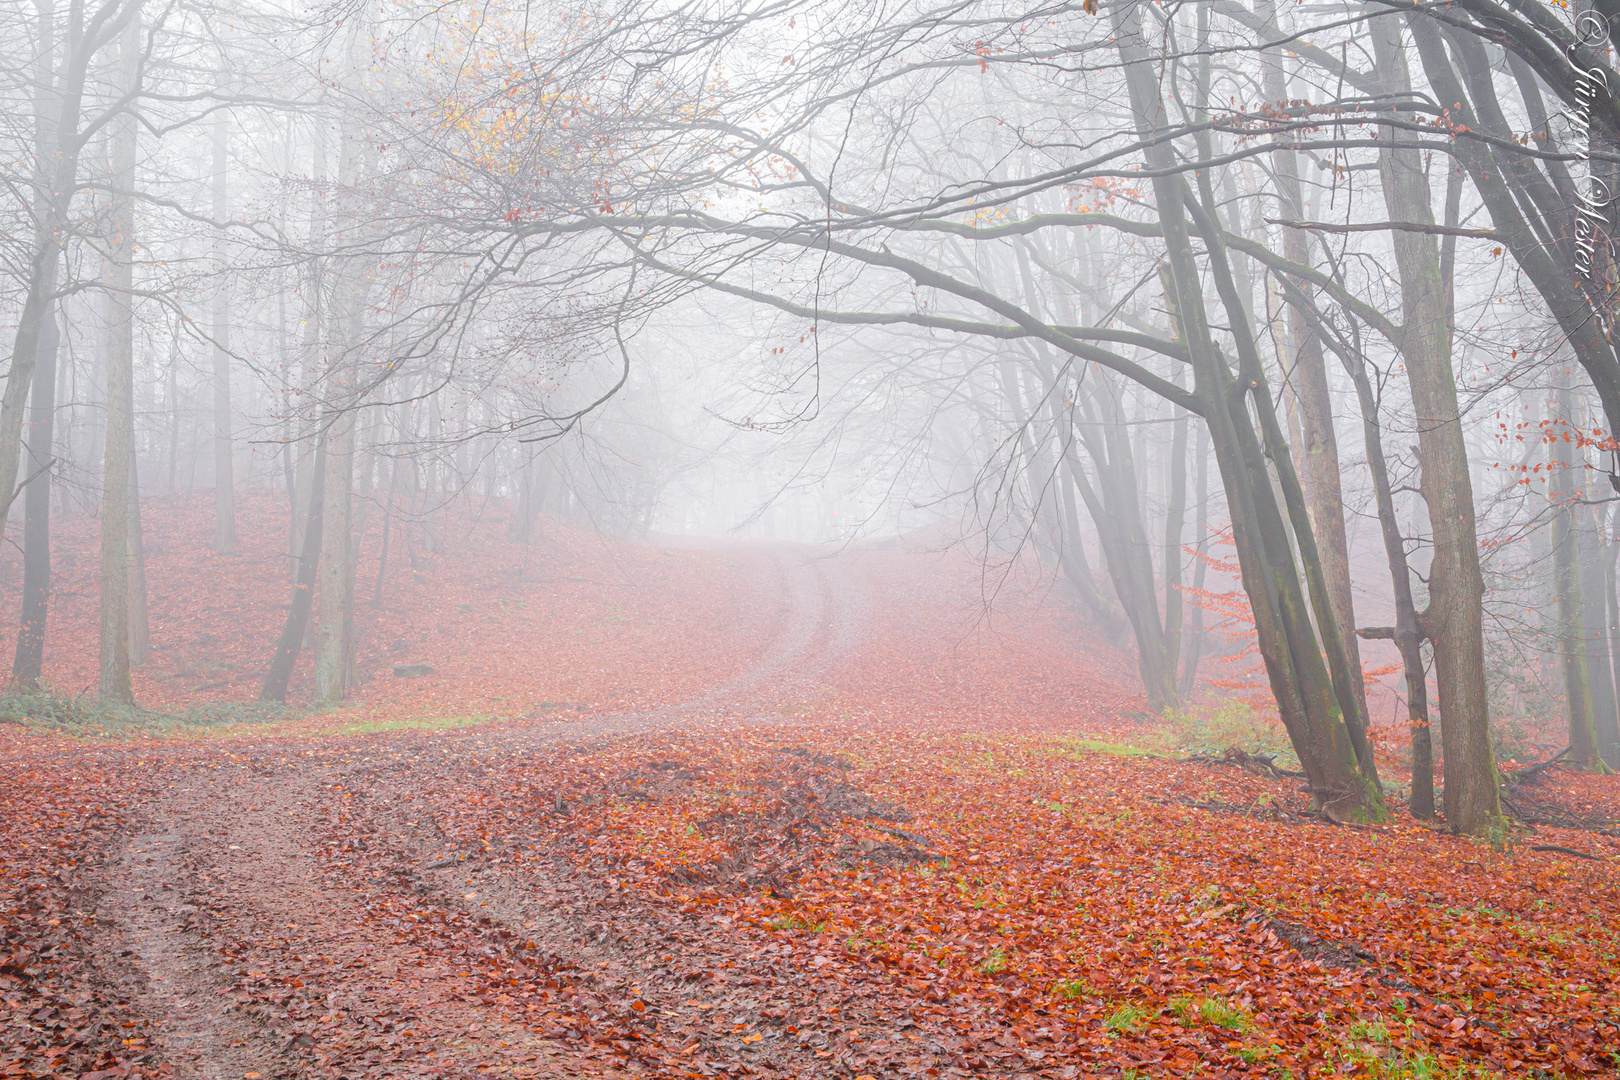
[1213, 1010]
[1125, 1018]
[1212, 727]
[1075, 747]
[1373, 1030]
[1071, 989]
[1385, 1064]
[995, 962]
[87, 717]
[1222, 1013]
[793, 922]
[1427, 1067]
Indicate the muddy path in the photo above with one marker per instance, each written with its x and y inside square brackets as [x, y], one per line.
[292, 910]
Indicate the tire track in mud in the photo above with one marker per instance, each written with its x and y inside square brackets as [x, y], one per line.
[254, 949]
[256, 952]
[601, 941]
[177, 977]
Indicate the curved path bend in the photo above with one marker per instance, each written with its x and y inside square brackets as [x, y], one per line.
[253, 948]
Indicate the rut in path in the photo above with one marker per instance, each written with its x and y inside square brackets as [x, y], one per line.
[253, 951]
[157, 904]
[234, 862]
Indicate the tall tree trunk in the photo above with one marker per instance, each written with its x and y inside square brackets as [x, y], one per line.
[517, 526]
[26, 666]
[1193, 651]
[1116, 513]
[359, 512]
[279, 676]
[1066, 537]
[1593, 550]
[309, 350]
[1175, 514]
[114, 651]
[1077, 567]
[224, 472]
[1583, 747]
[59, 99]
[140, 627]
[1319, 473]
[1406, 633]
[1314, 697]
[1454, 619]
[337, 574]
[334, 630]
[396, 468]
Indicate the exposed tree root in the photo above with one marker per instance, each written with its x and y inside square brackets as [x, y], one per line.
[1530, 772]
[1566, 851]
[1254, 764]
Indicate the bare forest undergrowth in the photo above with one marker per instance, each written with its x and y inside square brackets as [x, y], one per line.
[752, 810]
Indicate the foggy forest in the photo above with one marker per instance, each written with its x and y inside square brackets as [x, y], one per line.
[809, 538]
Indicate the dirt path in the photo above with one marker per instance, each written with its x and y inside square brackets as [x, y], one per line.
[257, 947]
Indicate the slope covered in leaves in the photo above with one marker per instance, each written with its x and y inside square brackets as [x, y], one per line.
[1050, 906]
[853, 824]
[572, 622]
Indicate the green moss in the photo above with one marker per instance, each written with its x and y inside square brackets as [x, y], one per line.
[87, 717]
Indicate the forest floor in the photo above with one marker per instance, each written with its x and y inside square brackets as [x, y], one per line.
[741, 810]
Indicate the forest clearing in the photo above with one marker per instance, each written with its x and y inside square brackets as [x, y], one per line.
[810, 538]
[843, 831]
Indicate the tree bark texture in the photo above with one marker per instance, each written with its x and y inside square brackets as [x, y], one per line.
[1319, 472]
[1454, 619]
[27, 665]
